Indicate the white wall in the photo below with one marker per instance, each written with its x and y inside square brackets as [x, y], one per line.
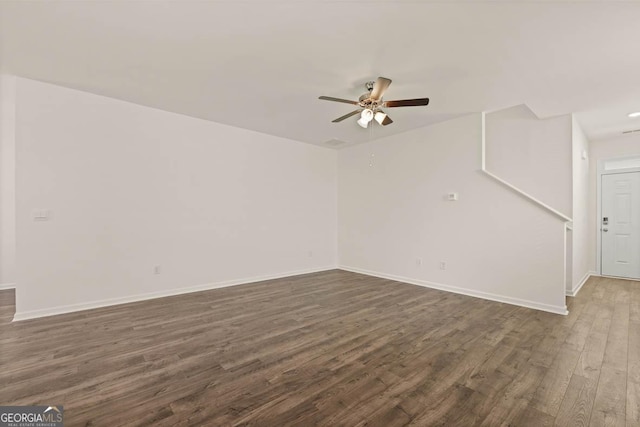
[7, 181]
[533, 155]
[392, 211]
[583, 261]
[130, 187]
[621, 146]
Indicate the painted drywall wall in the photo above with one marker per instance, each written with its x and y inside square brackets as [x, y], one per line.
[532, 154]
[583, 261]
[129, 188]
[622, 146]
[7, 181]
[395, 220]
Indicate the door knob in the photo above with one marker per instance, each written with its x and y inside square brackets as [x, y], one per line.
[605, 229]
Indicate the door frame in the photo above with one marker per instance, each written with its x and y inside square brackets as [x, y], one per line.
[602, 170]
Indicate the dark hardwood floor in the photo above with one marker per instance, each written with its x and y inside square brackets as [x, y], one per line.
[334, 349]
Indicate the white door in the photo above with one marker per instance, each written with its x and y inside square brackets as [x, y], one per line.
[619, 225]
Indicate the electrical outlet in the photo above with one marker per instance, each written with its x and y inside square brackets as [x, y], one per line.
[419, 262]
[156, 269]
[443, 265]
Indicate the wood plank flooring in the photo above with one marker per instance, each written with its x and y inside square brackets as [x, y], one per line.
[7, 305]
[333, 349]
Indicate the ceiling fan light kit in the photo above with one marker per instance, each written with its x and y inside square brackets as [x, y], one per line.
[365, 117]
[371, 104]
[380, 116]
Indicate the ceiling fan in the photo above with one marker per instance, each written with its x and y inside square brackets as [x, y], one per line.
[371, 103]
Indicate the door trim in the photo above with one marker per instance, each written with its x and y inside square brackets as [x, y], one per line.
[599, 173]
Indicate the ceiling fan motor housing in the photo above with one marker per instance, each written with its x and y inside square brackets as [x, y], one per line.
[366, 102]
[365, 99]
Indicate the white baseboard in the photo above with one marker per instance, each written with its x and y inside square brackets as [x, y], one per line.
[5, 286]
[618, 277]
[573, 292]
[34, 314]
[464, 291]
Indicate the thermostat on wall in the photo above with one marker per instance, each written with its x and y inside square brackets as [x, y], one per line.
[452, 197]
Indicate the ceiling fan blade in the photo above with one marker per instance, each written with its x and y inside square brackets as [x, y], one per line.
[379, 88]
[407, 103]
[346, 116]
[387, 120]
[346, 101]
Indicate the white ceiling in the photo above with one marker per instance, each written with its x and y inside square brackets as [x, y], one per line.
[261, 65]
